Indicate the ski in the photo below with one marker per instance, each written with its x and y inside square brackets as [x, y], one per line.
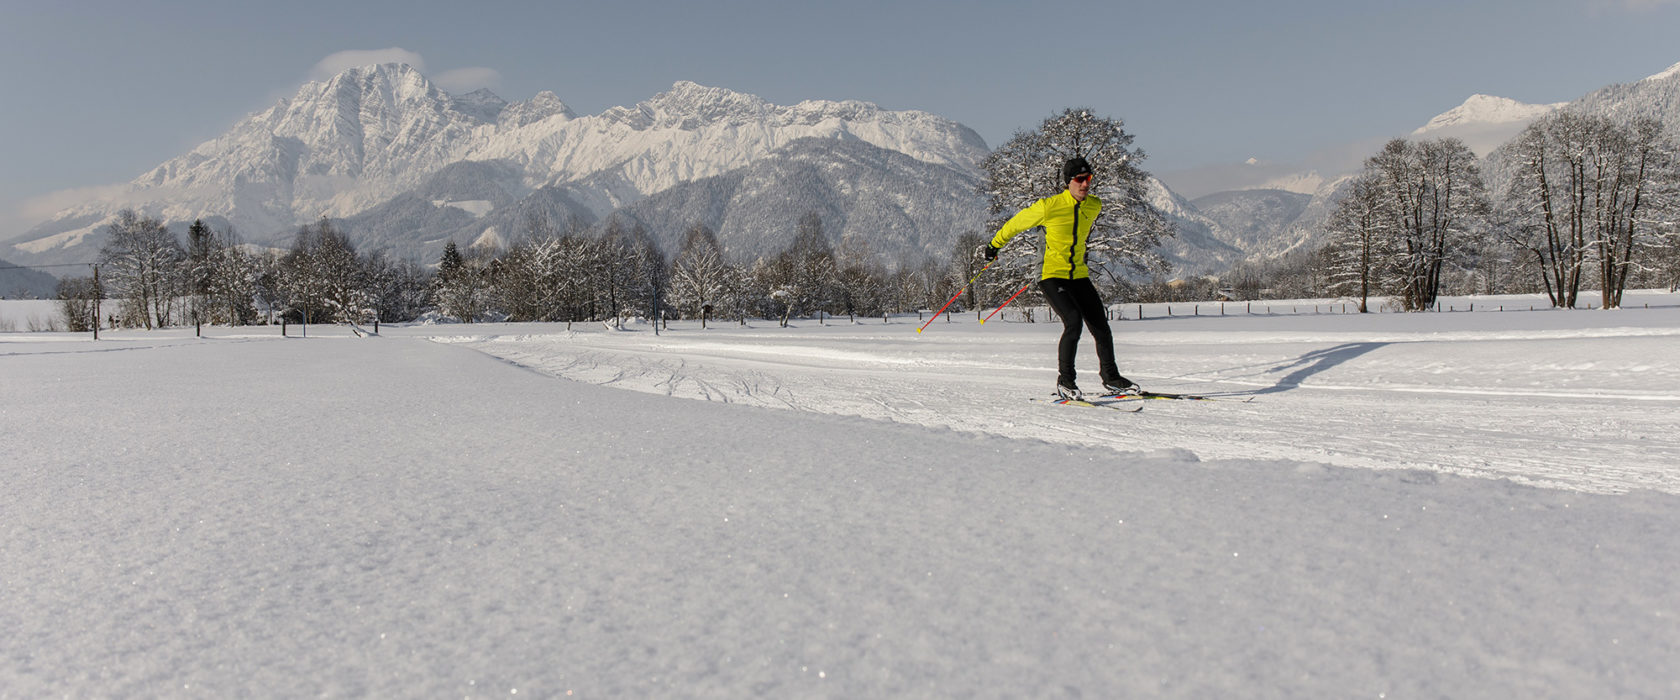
[1163, 396]
[1090, 404]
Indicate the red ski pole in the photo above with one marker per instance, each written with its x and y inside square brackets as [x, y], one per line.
[1005, 303]
[954, 296]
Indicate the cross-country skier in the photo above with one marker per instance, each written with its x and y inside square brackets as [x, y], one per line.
[1065, 280]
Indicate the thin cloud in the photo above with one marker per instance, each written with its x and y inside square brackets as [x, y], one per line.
[465, 80]
[458, 81]
[42, 207]
[356, 58]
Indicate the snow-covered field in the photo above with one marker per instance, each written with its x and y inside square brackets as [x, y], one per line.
[1443, 505]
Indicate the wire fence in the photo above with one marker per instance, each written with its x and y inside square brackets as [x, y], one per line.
[1634, 299]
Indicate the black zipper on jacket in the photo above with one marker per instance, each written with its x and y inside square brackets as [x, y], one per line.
[1073, 247]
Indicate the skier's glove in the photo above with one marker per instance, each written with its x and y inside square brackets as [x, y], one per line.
[988, 252]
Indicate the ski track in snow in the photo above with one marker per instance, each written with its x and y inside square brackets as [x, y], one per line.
[1541, 406]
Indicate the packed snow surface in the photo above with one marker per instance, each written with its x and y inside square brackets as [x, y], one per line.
[1445, 505]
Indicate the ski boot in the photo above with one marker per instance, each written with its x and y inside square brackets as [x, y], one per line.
[1120, 386]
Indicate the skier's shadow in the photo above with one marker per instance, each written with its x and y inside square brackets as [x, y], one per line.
[1315, 362]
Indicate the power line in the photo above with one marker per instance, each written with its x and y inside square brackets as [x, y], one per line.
[36, 267]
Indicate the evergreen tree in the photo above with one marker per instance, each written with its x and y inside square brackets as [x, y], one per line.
[459, 288]
[202, 254]
[450, 263]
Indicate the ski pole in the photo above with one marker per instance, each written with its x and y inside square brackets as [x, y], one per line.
[954, 296]
[1005, 303]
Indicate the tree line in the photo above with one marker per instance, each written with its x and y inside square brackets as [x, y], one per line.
[152, 280]
[607, 273]
[1590, 203]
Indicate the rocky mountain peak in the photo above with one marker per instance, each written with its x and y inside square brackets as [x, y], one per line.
[546, 104]
[481, 104]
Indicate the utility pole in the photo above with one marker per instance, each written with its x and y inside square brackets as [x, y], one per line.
[98, 294]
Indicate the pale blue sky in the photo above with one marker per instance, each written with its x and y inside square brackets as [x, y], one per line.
[98, 92]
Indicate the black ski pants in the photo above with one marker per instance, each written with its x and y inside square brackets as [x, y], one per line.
[1077, 303]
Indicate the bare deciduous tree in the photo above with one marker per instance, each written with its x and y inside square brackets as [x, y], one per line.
[1127, 236]
[143, 264]
[1588, 190]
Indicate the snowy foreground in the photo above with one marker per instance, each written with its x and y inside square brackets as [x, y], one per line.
[1436, 505]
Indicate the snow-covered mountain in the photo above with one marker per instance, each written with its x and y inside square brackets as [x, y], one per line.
[1484, 110]
[1656, 97]
[1484, 122]
[377, 136]
[1305, 183]
[1249, 219]
[886, 200]
[1197, 249]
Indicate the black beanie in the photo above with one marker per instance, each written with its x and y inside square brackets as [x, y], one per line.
[1074, 166]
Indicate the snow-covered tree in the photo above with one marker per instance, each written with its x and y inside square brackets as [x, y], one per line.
[323, 277]
[801, 279]
[1028, 167]
[965, 263]
[650, 275]
[1360, 232]
[1588, 190]
[460, 287]
[923, 285]
[1643, 196]
[450, 262]
[400, 289]
[223, 278]
[536, 279]
[861, 280]
[77, 300]
[627, 272]
[527, 280]
[815, 276]
[702, 279]
[142, 263]
[1434, 204]
[203, 249]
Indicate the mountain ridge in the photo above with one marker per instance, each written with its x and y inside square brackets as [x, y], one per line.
[363, 138]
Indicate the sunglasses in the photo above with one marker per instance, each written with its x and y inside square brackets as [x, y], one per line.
[1082, 179]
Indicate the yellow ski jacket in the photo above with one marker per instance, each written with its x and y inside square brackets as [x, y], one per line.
[1067, 224]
